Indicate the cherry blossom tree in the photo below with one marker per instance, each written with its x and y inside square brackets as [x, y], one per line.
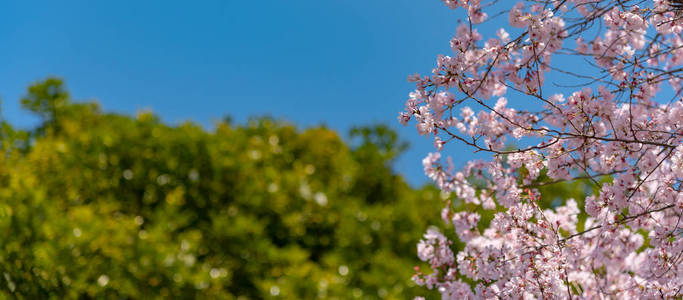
[618, 124]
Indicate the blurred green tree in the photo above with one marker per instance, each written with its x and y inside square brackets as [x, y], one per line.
[101, 205]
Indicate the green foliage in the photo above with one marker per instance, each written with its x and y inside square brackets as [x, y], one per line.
[97, 205]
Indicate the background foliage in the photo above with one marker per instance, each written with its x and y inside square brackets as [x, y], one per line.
[102, 205]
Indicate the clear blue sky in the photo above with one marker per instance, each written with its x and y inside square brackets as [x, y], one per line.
[338, 63]
[334, 62]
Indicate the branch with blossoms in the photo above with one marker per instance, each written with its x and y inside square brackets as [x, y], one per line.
[617, 124]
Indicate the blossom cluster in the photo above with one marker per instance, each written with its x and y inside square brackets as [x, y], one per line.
[621, 130]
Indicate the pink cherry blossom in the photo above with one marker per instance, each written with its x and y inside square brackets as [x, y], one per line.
[617, 124]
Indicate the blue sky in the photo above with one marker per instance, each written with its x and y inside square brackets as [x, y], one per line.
[334, 62]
